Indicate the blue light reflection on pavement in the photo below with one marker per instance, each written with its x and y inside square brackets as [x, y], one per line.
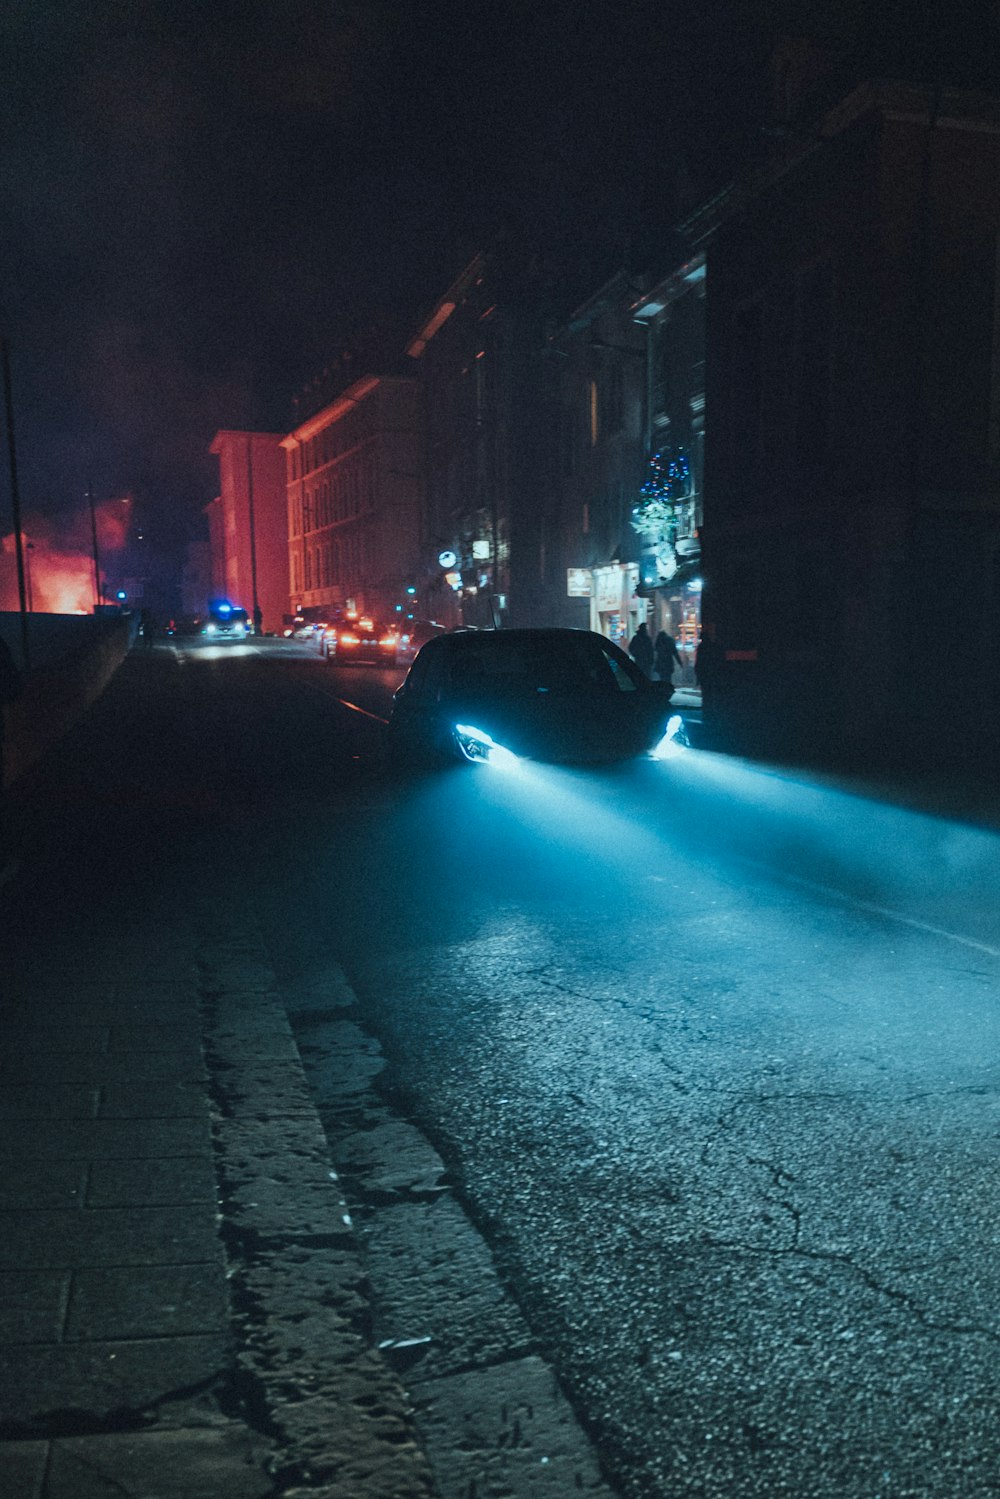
[885, 857]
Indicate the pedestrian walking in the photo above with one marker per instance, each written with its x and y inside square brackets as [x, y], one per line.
[11, 687]
[666, 656]
[641, 650]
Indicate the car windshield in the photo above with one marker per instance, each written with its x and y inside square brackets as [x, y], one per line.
[498, 664]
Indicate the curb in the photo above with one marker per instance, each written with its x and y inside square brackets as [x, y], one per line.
[308, 1377]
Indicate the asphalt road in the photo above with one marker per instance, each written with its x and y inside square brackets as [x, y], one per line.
[710, 1053]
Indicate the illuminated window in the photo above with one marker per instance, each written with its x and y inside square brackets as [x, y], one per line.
[594, 421]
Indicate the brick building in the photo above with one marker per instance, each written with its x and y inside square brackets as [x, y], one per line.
[248, 532]
[353, 498]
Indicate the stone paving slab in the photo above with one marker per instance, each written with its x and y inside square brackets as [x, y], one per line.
[165, 1301]
[85, 1139]
[101, 1381]
[59, 1101]
[23, 1467]
[97, 1068]
[108, 1236]
[225, 1460]
[156, 1036]
[173, 1181]
[42, 1184]
[29, 1036]
[33, 1305]
[153, 1100]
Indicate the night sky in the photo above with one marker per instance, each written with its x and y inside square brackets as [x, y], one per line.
[203, 204]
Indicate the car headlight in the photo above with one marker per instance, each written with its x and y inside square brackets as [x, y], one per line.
[674, 739]
[211, 629]
[478, 746]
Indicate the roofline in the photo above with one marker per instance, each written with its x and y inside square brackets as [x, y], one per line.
[240, 432]
[443, 309]
[352, 396]
[669, 287]
[895, 99]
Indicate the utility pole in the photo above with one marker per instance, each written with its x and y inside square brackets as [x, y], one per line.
[93, 537]
[15, 500]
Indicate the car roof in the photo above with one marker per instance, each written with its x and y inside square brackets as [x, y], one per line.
[541, 634]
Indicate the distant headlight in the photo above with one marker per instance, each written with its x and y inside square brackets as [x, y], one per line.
[478, 746]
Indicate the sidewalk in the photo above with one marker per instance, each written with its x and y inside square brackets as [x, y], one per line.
[181, 1307]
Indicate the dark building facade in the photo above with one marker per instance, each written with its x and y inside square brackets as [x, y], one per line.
[487, 543]
[596, 385]
[852, 507]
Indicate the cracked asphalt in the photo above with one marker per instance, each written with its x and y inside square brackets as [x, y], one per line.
[710, 1056]
[665, 1098]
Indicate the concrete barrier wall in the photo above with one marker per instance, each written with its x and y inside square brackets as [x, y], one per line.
[75, 664]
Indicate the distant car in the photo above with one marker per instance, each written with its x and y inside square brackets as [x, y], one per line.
[361, 640]
[414, 634]
[227, 624]
[497, 696]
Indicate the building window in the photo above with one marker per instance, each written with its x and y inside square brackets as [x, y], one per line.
[594, 417]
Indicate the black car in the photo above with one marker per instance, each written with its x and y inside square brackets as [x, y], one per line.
[496, 696]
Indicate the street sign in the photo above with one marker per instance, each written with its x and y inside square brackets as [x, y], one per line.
[579, 582]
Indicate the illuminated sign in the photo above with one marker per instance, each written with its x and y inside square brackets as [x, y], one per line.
[447, 559]
[480, 550]
[579, 583]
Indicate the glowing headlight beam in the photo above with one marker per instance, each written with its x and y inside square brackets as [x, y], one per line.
[674, 740]
[482, 749]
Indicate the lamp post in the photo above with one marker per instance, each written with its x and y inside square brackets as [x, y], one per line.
[27, 568]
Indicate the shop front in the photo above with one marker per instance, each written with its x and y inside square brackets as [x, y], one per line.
[677, 610]
[616, 610]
